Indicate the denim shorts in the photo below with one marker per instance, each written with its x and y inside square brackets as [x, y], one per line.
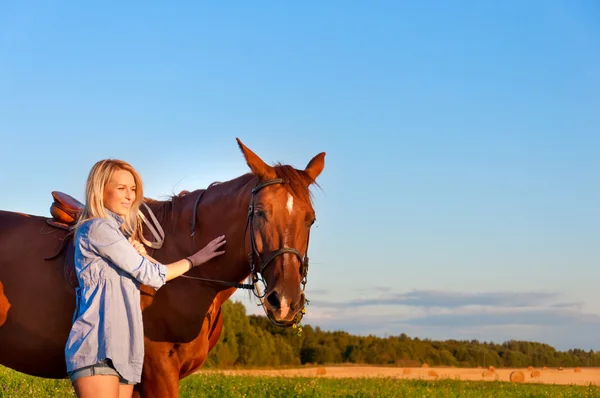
[104, 367]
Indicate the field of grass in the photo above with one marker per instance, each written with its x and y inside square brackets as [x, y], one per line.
[13, 384]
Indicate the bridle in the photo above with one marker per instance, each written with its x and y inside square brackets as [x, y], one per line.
[254, 253]
[284, 250]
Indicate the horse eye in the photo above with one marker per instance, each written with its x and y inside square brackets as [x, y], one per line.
[259, 213]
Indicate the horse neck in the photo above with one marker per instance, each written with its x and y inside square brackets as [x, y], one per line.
[222, 210]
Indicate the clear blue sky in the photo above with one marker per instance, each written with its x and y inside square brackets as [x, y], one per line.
[461, 194]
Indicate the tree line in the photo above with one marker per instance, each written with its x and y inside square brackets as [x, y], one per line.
[252, 341]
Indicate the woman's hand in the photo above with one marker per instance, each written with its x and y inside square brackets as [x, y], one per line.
[208, 252]
[139, 247]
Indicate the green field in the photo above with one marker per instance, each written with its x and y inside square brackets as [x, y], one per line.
[13, 384]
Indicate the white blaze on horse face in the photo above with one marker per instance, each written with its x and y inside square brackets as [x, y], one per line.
[284, 307]
[284, 304]
[290, 204]
[290, 208]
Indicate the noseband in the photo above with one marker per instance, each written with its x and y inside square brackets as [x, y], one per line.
[254, 253]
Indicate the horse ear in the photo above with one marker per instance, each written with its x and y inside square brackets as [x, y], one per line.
[315, 166]
[257, 165]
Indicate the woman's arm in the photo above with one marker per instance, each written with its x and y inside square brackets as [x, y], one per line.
[182, 266]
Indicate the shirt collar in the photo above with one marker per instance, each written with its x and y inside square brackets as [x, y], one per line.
[115, 217]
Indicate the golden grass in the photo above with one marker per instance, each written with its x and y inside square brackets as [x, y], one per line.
[550, 376]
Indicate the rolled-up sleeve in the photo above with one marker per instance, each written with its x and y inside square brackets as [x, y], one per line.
[109, 243]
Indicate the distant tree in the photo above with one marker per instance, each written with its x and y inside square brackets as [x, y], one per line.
[250, 340]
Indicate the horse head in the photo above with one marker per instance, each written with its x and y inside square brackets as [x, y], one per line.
[280, 217]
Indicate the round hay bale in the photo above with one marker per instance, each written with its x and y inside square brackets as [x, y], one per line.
[535, 373]
[577, 370]
[492, 369]
[517, 376]
[530, 368]
[425, 365]
[433, 373]
[406, 371]
[487, 373]
[560, 368]
[545, 368]
[321, 372]
[479, 367]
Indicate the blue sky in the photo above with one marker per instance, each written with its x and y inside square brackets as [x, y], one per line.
[460, 193]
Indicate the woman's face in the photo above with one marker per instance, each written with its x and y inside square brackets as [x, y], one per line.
[119, 192]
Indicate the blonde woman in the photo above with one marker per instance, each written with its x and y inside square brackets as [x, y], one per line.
[105, 348]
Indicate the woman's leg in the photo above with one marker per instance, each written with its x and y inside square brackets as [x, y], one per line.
[97, 386]
[125, 390]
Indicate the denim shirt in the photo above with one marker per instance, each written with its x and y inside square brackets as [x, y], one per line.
[107, 322]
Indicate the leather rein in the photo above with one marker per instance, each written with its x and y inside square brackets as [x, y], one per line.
[254, 271]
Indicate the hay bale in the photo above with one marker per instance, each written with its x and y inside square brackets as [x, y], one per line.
[425, 365]
[535, 373]
[433, 373]
[487, 373]
[545, 368]
[517, 376]
[321, 372]
[560, 368]
[492, 369]
[577, 370]
[479, 367]
[406, 372]
[530, 368]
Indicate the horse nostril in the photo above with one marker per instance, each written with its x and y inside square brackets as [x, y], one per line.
[273, 299]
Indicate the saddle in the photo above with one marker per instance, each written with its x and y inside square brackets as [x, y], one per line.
[65, 211]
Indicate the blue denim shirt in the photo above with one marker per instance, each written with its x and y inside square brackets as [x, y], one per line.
[108, 319]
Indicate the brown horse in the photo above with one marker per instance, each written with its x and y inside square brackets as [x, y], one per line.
[266, 217]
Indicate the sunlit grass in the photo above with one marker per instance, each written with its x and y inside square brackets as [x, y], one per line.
[14, 384]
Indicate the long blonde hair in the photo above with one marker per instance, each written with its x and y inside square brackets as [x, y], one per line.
[99, 176]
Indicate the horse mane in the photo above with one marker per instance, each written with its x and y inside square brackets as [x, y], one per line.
[296, 183]
[173, 204]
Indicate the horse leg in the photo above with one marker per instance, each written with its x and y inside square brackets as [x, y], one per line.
[216, 330]
[160, 378]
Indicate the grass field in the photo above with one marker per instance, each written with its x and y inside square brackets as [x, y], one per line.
[13, 384]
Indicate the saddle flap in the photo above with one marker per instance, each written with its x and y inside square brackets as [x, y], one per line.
[69, 264]
[65, 208]
[67, 202]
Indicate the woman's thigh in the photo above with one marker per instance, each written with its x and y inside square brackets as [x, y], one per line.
[97, 386]
[125, 390]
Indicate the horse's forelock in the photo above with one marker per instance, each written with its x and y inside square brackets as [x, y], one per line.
[297, 182]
